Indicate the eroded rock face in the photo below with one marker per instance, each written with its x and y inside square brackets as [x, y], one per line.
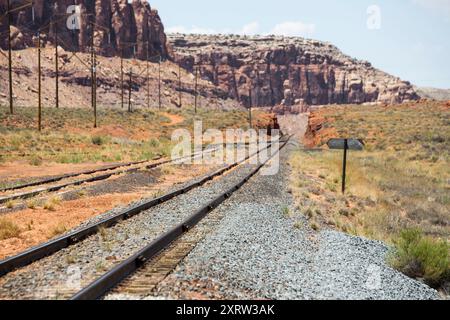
[280, 70]
[115, 24]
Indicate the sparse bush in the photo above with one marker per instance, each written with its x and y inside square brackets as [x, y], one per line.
[309, 213]
[314, 226]
[418, 256]
[58, 230]
[52, 203]
[285, 211]
[98, 140]
[8, 229]
[297, 225]
[10, 204]
[32, 204]
[36, 161]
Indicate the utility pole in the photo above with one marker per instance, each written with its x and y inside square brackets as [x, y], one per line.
[179, 85]
[148, 82]
[121, 74]
[11, 107]
[250, 108]
[129, 91]
[159, 83]
[94, 68]
[39, 84]
[55, 25]
[196, 86]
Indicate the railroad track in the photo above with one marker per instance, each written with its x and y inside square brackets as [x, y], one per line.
[54, 188]
[144, 259]
[34, 254]
[74, 174]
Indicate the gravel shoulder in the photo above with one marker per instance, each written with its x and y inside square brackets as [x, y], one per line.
[261, 250]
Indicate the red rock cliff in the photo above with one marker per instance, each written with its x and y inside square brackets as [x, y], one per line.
[116, 24]
[288, 71]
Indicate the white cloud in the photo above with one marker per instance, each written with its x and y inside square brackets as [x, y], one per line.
[442, 6]
[250, 29]
[195, 30]
[294, 28]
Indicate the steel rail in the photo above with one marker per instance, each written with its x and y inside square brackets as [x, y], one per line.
[87, 172]
[102, 285]
[74, 174]
[39, 252]
[27, 195]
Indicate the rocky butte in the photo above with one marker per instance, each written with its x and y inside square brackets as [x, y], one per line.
[289, 71]
[115, 24]
[261, 71]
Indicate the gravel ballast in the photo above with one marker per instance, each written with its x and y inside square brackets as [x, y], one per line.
[262, 249]
[62, 274]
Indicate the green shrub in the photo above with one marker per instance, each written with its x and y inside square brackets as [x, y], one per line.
[418, 256]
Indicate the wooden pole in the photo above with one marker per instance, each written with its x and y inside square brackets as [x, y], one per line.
[55, 25]
[196, 87]
[159, 83]
[250, 108]
[11, 107]
[121, 76]
[179, 86]
[94, 67]
[148, 82]
[39, 84]
[129, 91]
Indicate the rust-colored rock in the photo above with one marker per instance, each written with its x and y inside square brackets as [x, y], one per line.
[282, 70]
[115, 24]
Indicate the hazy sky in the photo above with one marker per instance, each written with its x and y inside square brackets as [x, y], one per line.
[407, 38]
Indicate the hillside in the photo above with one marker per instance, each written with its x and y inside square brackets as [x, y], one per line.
[75, 82]
[434, 93]
[283, 70]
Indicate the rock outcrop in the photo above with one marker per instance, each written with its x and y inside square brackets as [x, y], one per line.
[433, 93]
[116, 25]
[287, 71]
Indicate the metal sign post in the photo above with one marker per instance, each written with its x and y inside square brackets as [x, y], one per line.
[345, 144]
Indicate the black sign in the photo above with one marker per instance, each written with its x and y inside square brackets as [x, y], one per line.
[352, 144]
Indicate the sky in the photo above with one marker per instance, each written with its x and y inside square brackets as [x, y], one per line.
[407, 38]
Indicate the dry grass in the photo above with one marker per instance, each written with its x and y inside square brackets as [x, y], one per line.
[52, 203]
[400, 181]
[58, 230]
[68, 136]
[8, 229]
